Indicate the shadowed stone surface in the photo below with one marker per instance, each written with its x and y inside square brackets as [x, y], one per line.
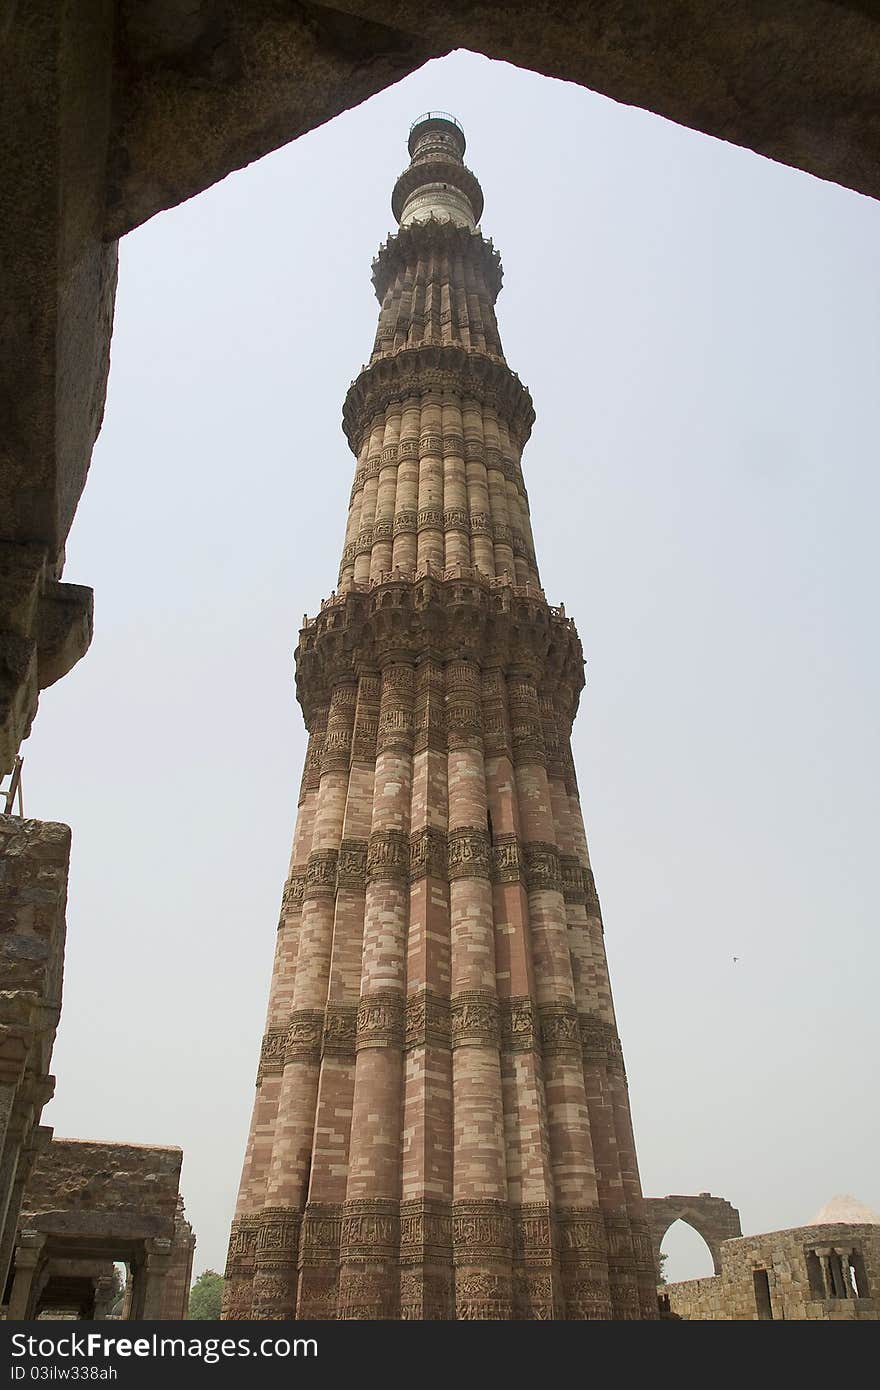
[111, 111]
[88, 1201]
[34, 858]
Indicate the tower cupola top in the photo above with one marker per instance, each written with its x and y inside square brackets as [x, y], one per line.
[436, 131]
[437, 184]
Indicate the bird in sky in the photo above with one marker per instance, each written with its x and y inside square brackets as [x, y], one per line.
[735, 959]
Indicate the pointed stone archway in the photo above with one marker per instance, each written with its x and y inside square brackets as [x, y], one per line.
[713, 1218]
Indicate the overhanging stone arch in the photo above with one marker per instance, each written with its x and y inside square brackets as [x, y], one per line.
[713, 1218]
[133, 106]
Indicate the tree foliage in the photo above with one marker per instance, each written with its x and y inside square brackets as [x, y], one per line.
[205, 1296]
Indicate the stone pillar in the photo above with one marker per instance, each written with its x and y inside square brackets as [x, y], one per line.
[179, 1277]
[406, 501]
[583, 1243]
[322, 1220]
[480, 519]
[275, 1266]
[238, 1288]
[105, 1294]
[431, 548]
[157, 1260]
[369, 1283]
[537, 1289]
[129, 1294]
[383, 526]
[29, 1260]
[426, 1278]
[480, 1213]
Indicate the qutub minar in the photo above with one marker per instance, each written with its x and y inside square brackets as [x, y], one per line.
[442, 1126]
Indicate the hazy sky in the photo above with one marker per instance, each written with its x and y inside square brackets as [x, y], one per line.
[699, 330]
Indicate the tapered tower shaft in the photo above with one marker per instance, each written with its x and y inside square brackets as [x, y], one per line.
[441, 1126]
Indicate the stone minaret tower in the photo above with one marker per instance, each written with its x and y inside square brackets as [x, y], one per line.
[441, 1126]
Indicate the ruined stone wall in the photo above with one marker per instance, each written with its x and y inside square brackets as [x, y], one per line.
[711, 1217]
[34, 859]
[794, 1293]
[175, 1299]
[82, 1183]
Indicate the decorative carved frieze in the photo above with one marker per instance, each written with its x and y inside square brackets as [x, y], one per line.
[596, 1036]
[388, 857]
[581, 1235]
[467, 853]
[475, 1020]
[425, 1231]
[429, 239]
[430, 444]
[242, 1246]
[370, 1230]
[340, 1031]
[380, 1019]
[277, 1238]
[321, 874]
[429, 519]
[336, 753]
[364, 543]
[501, 534]
[542, 868]
[507, 860]
[320, 1234]
[527, 743]
[395, 732]
[440, 367]
[405, 523]
[600, 1044]
[427, 1020]
[453, 445]
[447, 617]
[316, 719]
[560, 1035]
[526, 731]
[532, 1227]
[427, 853]
[591, 897]
[294, 888]
[482, 1297]
[572, 879]
[456, 519]
[272, 1053]
[304, 1036]
[481, 1232]
[615, 1058]
[351, 866]
[518, 1030]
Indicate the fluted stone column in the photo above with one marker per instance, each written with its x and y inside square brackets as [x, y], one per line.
[441, 1127]
[370, 1230]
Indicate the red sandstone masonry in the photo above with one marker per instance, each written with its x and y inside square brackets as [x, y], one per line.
[441, 1127]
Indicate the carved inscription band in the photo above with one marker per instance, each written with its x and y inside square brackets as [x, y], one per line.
[427, 1019]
